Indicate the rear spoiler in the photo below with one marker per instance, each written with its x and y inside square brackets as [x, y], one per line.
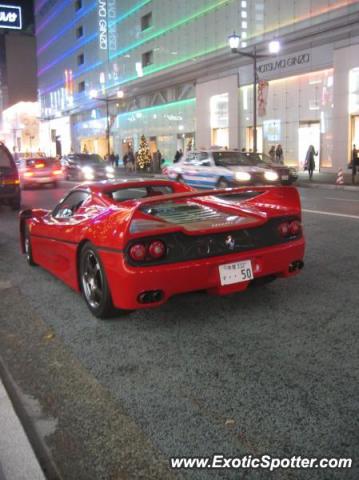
[268, 197]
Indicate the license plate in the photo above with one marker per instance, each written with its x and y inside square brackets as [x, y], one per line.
[43, 179]
[236, 272]
[285, 177]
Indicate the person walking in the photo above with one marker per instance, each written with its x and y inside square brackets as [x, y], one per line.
[354, 163]
[310, 161]
[271, 153]
[279, 154]
[111, 159]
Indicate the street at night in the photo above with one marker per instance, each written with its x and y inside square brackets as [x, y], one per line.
[270, 370]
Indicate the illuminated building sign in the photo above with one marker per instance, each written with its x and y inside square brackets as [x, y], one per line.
[102, 24]
[10, 17]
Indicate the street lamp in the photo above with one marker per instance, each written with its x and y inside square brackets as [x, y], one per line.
[94, 95]
[274, 48]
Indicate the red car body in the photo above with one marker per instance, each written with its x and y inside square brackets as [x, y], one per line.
[163, 244]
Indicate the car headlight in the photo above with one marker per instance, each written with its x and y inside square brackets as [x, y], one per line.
[109, 169]
[271, 176]
[242, 176]
[88, 172]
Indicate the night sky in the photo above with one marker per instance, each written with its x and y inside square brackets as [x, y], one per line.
[27, 10]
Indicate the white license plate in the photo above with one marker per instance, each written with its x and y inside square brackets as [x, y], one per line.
[236, 272]
[285, 177]
[43, 179]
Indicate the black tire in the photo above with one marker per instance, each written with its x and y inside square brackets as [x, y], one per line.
[222, 183]
[93, 283]
[28, 248]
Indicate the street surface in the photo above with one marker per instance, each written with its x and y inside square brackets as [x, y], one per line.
[273, 370]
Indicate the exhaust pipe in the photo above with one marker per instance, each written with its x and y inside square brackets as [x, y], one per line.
[296, 265]
[151, 296]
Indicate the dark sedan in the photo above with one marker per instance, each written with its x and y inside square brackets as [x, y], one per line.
[84, 166]
[287, 175]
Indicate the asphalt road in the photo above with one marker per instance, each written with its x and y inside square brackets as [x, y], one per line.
[271, 370]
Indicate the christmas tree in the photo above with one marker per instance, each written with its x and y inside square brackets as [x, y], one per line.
[143, 154]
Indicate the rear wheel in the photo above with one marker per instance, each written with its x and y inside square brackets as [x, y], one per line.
[94, 284]
[222, 183]
[28, 248]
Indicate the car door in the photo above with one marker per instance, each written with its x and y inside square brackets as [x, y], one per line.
[189, 169]
[54, 237]
[206, 176]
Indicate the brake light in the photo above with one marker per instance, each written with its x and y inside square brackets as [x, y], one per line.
[284, 229]
[138, 252]
[28, 174]
[157, 249]
[290, 229]
[295, 228]
[57, 172]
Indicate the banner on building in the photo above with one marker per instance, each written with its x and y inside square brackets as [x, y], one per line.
[262, 97]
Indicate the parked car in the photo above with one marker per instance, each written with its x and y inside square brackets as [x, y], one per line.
[37, 171]
[135, 243]
[221, 169]
[9, 179]
[84, 166]
[287, 175]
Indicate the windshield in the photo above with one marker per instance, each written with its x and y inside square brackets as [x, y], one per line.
[5, 161]
[259, 159]
[231, 159]
[135, 193]
[41, 162]
[86, 158]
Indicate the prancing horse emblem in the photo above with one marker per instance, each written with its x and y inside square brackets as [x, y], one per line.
[230, 242]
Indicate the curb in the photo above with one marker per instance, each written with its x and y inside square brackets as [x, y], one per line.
[38, 446]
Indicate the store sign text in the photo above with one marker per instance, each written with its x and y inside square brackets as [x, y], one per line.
[284, 63]
[10, 17]
[102, 24]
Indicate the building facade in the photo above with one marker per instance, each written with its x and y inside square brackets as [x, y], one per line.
[112, 70]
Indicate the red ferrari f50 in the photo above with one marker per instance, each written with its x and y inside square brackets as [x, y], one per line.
[135, 243]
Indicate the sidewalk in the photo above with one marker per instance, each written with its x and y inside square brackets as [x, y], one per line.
[17, 458]
[327, 181]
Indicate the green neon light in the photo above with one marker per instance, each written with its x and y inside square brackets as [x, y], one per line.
[128, 13]
[177, 24]
[159, 107]
[151, 70]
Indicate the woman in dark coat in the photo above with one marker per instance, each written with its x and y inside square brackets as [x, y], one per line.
[310, 161]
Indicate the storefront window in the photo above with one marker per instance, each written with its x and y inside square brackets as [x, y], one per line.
[219, 120]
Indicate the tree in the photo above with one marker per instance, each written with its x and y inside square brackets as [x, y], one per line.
[143, 154]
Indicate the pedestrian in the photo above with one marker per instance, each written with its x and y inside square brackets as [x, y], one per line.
[271, 153]
[354, 163]
[279, 154]
[157, 157]
[111, 159]
[177, 156]
[117, 160]
[310, 161]
[130, 160]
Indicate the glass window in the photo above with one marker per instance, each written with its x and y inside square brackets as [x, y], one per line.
[147, 58]
[79, 31]
[135, 193]
[146, 21]
[225, 159]
[81, 86]
[80, 59]
[70, 204]
[5, 160]
[78, 5]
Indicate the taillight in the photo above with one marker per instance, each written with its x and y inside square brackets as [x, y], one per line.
[295, 228]
[138, 252]
[147, 251]
[284, 229]
[157, 249]
[290, 229]
[57, 172]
